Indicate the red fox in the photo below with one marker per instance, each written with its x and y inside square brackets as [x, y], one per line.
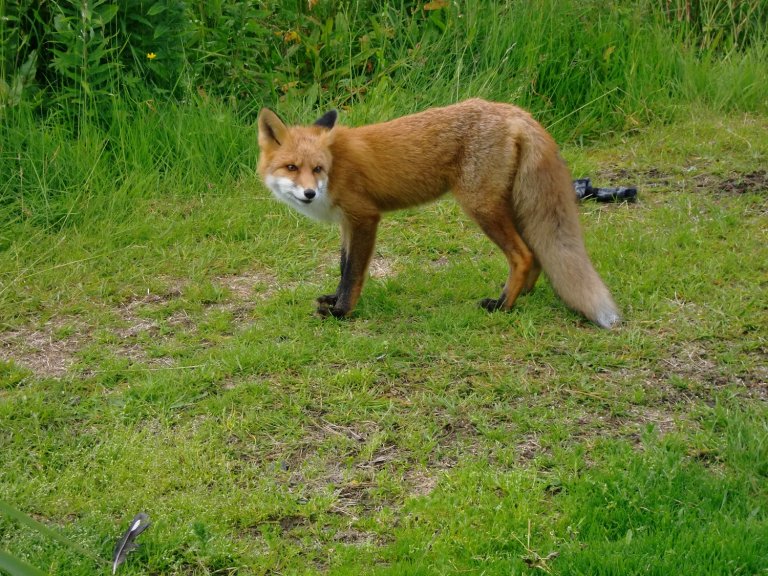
[501, 165]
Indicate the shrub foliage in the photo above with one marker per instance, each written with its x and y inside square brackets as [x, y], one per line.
[88, 52]
[95, 91]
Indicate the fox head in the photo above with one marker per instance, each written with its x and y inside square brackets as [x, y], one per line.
[295, 162]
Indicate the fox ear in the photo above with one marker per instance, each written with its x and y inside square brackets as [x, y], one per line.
[327, 120]
[272, 130]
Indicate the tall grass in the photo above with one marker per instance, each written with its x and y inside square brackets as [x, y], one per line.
[90, 133]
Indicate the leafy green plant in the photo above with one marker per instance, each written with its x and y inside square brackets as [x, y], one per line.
[154, 38]
[22, 82]
[19, 49]
[232, 50]
[84, 55]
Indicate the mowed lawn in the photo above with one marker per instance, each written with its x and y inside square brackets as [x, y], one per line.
[165, 358]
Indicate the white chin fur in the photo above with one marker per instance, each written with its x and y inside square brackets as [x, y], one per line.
[319, 208]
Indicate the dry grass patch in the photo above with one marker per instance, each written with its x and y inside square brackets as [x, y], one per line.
[48, 351]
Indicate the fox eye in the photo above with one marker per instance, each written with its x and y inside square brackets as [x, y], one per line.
[291, 167]
[317, 169]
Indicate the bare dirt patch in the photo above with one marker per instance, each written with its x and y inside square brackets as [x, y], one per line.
[693, 362]
[51, 350]
[731, 184]
[752, 182]
[529, 448]
[135, 325]
[421, 481]
[663, 421]
[345, 462]
[381, 267]
[48, 351]
[249, 285]
[129, 311]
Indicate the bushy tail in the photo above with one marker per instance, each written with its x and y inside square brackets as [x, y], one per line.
[547, 213]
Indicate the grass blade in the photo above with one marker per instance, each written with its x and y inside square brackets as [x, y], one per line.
[16, 567]
[44, 530]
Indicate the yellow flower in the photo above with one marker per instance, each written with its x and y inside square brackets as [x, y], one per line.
[151, 55]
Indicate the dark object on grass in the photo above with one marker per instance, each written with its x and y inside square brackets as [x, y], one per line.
[127, 543]
[585, 190]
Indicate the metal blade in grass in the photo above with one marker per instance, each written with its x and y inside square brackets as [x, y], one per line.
[50, 533]
[127, 543]
[16, 567]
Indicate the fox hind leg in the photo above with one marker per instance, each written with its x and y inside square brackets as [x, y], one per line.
[522, 277]
[497, 223]
[533, 275]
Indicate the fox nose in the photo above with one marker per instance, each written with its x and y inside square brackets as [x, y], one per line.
[309, 194]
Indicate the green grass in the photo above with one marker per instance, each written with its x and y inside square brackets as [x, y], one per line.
[161, 355]
[159, 350]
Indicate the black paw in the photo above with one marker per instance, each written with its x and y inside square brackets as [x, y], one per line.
[326, 311]
[491, 304]
[327, 299]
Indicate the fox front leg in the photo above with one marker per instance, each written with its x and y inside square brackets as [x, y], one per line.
[325, 301]
[358, 241]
